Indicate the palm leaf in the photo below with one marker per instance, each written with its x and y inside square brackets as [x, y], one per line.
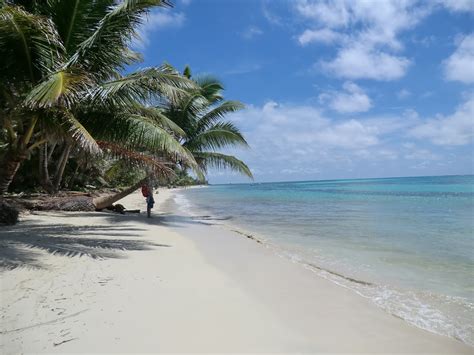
[79, 133]
[29, 45]
[222, 161]
[113, 33]
[136, 132]
[158, 116]
[219, 135]
[62, 85]
[218, 113]
[141, 86]
[140, 160]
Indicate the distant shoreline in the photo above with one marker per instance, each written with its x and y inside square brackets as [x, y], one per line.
[342, 179]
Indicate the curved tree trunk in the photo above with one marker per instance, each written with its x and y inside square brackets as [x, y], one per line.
[58, 176]
[45, 180]
[13, 159]
[10, 166]
[106, 201]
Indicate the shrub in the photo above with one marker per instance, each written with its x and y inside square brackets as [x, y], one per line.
[8, 214]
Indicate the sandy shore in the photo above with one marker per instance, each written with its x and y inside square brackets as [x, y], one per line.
[103, 282]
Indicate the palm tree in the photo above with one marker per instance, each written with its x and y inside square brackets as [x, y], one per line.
[61, 64]
[201, 115]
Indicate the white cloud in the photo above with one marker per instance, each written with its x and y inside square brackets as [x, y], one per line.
[156, 20]
[451, 130]
[251, 32]
[324, 35]
[421, 154]
[458, 5]
[269, 15]
[302, 135]
[361, 62]
[302, 142]
[403, 94]
[460, 65]
[367, 32]
[352, 99]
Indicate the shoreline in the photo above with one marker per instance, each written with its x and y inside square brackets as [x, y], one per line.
[102, 282]
[406, 304]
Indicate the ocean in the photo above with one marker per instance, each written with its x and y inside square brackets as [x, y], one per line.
[405, 243]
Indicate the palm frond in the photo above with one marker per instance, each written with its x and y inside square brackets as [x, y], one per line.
[210, 87]
[138, 132]
[218, 113]
[158, 116]
[29, 45]
[62, 85]
[141, 160]
[114, 32]
[79, 133]
[222, 161]
[217, 136]
[141, 86]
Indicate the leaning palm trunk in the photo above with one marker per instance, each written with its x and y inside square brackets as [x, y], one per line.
[106, 201]
[45, 180]
[10, 166]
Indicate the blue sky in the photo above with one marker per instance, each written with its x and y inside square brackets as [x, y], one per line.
[333, 89]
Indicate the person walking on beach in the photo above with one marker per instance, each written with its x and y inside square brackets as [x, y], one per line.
[147, 192]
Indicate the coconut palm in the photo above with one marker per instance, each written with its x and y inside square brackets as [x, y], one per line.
[60, 72]
[201, 115]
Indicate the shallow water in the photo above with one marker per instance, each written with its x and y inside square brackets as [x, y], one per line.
[405, 243]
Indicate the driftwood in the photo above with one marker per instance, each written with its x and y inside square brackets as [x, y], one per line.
[72, 200]
[53, 203]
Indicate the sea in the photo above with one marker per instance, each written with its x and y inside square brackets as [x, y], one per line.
[405, 243]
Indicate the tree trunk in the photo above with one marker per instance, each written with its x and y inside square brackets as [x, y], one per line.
[61, 166]
[10, 166]
[45, 180]
[106, 201]
[16, 156]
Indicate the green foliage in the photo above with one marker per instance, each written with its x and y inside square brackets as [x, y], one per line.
[60, 82]
[70, 117]
[184, 179]
[201, 115]
[119, 174]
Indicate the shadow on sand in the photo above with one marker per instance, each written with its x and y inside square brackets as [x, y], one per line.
[25, 243]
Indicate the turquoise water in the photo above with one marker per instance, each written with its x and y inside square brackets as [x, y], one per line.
[405, 243]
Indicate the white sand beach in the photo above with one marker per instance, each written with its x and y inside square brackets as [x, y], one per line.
[104, 283]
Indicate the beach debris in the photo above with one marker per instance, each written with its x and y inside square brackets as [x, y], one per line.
[64, 341]
[116, 208]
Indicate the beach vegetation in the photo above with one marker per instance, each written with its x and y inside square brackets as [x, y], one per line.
[72, 113]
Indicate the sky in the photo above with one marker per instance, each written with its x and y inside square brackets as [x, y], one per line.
[333, 89]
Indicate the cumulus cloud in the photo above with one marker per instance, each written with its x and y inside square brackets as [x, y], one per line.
[362, 62]
[367, 33]
[460, 65]
[351, 99]
[301, 141]
[452, 130]
[156, 20]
